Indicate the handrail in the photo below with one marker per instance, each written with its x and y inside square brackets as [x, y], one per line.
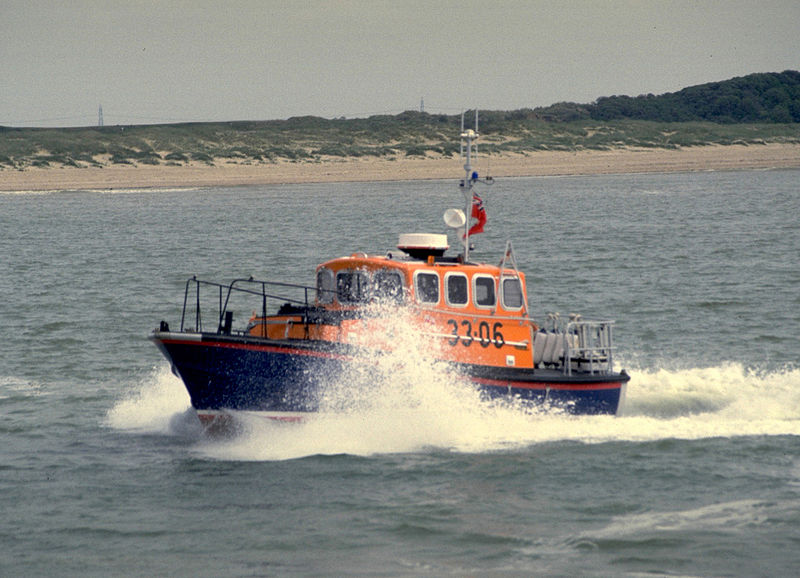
[265, 290]
[261, 290]
[586, 345]
[589, 342]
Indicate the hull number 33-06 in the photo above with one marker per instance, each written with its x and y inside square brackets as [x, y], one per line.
[484, 334]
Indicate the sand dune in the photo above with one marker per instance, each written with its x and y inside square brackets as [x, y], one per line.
[540, 163]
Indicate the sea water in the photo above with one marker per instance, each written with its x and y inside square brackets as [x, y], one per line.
[105, 471]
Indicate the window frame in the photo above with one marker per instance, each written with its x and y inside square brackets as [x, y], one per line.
[503, 293]
[477, 277]
[417, 292]
[364, 291]
[329, 294]
[385, 272]
[451, 275]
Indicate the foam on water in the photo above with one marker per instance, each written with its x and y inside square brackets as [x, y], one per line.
[405, 401]
[721, 516]
[745, 530]
[26, 193]
[110, 191]
[154, 406]
[17, 388]
[729, 391]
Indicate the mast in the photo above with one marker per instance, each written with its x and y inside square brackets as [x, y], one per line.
[469, 146]
[467, 137]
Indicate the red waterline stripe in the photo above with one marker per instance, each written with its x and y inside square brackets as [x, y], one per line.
[544, 385]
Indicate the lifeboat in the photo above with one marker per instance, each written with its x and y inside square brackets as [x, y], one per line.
[473, 317]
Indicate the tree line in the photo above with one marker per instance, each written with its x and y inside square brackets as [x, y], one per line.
[756, 98]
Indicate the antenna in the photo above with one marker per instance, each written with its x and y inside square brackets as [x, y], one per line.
[467, 143]
[476, 132]
[462, 133]
[469, 148]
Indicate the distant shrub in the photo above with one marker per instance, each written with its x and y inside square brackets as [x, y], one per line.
[202, 157]
[416, 151]
[336, 150]
[120, 160]
[176, 157]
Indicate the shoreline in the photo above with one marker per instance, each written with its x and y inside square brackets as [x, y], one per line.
[539, 163]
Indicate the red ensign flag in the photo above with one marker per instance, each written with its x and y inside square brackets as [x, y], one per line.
[478, 212]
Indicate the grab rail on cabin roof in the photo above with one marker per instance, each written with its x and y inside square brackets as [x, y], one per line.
[508, 256]
[266, 290]
[279, 294]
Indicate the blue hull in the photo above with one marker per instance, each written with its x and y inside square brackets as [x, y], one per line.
[242, 374]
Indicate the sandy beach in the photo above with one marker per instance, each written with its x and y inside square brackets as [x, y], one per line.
[540, 163]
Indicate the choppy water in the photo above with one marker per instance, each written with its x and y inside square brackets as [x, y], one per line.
[103, 470]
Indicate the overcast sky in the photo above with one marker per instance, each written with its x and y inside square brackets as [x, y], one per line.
[196, 60]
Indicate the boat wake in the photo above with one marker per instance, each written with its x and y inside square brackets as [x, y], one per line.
[159, 404]
[411, 407]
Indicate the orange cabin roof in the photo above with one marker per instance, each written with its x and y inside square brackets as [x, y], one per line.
[439, 283]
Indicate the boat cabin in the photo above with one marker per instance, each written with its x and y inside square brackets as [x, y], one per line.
[422, 276]
[458, 304]
[470, 312]
[358, 280]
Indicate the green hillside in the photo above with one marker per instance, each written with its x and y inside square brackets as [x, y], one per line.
[754, 109]
[756, 98]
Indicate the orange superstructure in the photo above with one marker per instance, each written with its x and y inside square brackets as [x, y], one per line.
[469, 313]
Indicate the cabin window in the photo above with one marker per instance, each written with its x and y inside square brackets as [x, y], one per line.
[388, 286]
[483, 291]
[325, 286]
[512, 293]
[352, 287]
[427, 286]
[456, 287]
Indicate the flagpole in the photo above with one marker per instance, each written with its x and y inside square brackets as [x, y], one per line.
[466, 139]
[473, 201]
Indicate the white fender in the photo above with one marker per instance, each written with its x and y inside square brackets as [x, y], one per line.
[539, 346]
[558, 350]
[552, 339]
